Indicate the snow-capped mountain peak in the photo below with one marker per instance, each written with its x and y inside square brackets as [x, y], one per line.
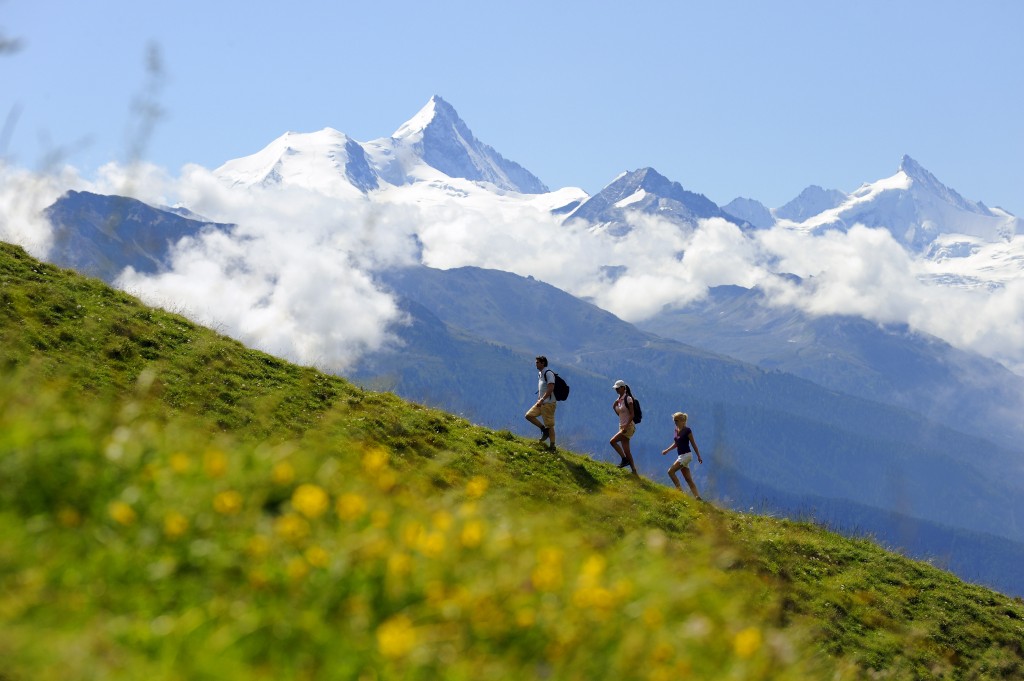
[917, 209]
[812, 201]
[438, 137]
[924, 180]
[436, 112]
[646, 191]
[327, 161]
[435, 144]
[751, 211]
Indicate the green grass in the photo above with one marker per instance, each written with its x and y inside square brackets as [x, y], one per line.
[176, 506]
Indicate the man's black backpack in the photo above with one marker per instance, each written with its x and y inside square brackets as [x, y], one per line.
[637, 414]
[561, 388]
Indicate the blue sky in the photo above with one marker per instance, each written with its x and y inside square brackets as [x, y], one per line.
[758, 99]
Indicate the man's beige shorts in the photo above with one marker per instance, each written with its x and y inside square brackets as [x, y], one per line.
[546, 411]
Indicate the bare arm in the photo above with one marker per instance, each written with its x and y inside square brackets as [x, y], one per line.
[693, 443]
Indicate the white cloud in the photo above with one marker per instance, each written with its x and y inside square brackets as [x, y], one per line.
[23, 197]
[295, 277]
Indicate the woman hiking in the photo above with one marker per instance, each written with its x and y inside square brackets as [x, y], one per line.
[623, 407]
[681, 442]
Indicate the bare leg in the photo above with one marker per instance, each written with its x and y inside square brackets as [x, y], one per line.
[537, 422]
[672, 474]
[689, 481]
[629, 455]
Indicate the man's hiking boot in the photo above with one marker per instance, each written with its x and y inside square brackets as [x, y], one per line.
[544, 432]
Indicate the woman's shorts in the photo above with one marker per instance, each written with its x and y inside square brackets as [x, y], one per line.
[629, 431]
[684, 459]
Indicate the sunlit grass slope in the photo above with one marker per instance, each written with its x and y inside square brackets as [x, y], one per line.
[176, 506]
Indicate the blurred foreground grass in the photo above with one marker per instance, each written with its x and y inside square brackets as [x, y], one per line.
[175, 506]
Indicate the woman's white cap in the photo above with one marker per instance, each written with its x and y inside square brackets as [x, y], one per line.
[619, 384]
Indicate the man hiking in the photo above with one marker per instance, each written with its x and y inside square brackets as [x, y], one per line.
[544, 407]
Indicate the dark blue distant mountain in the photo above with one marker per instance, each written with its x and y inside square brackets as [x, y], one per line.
[771, 441]
[884, 363]
[772, 428]
[101, 235]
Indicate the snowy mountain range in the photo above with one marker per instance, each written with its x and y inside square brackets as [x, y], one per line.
[967, 243]
[912, 204]
[435, 144]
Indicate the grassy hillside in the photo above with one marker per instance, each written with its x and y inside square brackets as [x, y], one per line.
[175, 506]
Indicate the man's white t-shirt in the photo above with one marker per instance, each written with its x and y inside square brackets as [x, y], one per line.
[542, 384]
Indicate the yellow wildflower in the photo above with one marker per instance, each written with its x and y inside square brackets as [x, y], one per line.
[175, 525]
[476, 487]
[598, 598]
[525, 617]
[432, 544]
[747, 642]
[215, 463]
[181, 463]
[297, 568]
[121, 512]
[317, 557]
[592, 571]
[472, 534]
[350, 506]
[547, 576]
[257, 546]
[442, 520]
[399, 564]
[412, 531]
[310, 500]
[291, 527]
[386, 480]
[228, 502]
[396, 637]
[283, 473]
[375, 460]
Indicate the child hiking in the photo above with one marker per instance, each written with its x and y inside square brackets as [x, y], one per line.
[681, 443]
